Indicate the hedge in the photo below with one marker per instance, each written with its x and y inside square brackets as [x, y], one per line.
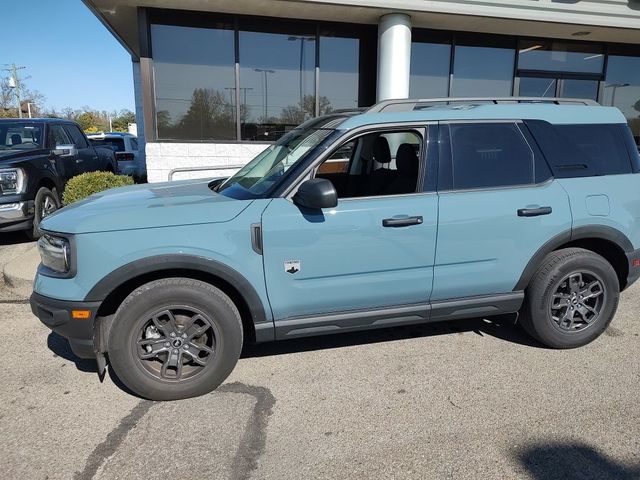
[86, 184]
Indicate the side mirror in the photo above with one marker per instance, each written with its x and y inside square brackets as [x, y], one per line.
[316, 193]
[65, 150]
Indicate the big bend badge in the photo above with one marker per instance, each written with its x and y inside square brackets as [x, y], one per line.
[292, 266]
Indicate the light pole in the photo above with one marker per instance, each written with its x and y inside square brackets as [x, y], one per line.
[264, 72]
[294, 38]
[615, 87]
[14, 82]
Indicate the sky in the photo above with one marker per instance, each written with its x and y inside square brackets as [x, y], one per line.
[71, 57]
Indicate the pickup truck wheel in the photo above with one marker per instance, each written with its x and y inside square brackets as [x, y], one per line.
[175, 338]
[45, 203]
[571, 299]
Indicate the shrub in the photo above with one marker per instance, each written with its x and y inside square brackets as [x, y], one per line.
[86, 184]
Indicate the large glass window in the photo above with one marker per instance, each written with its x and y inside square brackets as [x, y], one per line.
[194, 82]
[482, 71]
[559, 56]
[537, 87]
[622, 89]
[429, 70]
[339, 66]
[277, 83]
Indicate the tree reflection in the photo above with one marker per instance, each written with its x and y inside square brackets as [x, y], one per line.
[211, 116]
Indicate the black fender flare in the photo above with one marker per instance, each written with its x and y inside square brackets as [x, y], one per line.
[589, 231]
[157, 263]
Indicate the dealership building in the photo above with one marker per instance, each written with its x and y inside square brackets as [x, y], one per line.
[217, 81]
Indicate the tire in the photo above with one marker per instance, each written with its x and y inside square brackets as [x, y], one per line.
[45, 203]
[553, 315]
[171, 372]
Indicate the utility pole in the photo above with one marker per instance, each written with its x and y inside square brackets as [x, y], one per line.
[14, 82]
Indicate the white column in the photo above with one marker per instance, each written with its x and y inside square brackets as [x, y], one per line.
[394, 56]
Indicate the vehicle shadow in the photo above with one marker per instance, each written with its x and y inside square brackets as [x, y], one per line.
[502, 327]
[569, 461]
[14, 238]
[60, 347]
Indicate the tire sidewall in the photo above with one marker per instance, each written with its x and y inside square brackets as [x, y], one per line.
[135, 311]
[544, 325]
[42, 193]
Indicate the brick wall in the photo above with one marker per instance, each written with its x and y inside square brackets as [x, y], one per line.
[163, 157]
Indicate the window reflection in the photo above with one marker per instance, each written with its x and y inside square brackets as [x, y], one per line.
[339, 65]
[537, 87]
[429, 70]
[193, 70]
[482, 71]
[277, 83]
[572, 88]
[622, 89]
[558, 56]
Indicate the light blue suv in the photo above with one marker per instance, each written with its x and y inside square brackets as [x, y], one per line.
[413, 211]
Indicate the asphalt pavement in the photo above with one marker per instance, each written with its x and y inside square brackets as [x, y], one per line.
[473, 399]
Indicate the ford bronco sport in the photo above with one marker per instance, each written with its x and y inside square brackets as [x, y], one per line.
[413, 211]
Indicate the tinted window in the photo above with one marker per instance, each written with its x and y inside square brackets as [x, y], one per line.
[277, 79]
[489, 155]
[57, 136]
[339, 61]
[582, 150]
[429, 70]
[134, 144]
[194, 82]
[559, 56]
[114, 143]
[76, 136]
[622, 89]
[482, 71]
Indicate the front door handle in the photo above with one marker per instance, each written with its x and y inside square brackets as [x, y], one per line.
[534, 212]
[402, 221]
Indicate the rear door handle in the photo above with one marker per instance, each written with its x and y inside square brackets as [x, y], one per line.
[402, 221]
[534, 212]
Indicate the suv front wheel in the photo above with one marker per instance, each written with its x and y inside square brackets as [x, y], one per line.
[175, 338]
[571, 299]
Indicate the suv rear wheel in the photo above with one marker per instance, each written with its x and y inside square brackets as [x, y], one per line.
[175, 338]
[571, 299]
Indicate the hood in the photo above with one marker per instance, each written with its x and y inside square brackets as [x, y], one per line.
[167, 204]
[8, 155]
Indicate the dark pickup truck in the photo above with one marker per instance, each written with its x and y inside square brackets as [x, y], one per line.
[37, 157]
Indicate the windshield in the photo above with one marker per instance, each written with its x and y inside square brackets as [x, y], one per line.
[257, 178]
[20, 136]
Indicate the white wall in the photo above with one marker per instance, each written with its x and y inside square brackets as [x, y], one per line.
[163, 157]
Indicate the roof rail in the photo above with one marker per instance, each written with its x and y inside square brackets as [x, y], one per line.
[407, 104]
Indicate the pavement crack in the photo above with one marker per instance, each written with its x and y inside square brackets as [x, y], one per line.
[254, 438]
[15, 302]
[111, 444]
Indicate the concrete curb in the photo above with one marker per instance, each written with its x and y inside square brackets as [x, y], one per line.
[19, 273]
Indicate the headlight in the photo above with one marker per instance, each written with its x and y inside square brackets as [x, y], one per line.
[12, 180]
[55, 253]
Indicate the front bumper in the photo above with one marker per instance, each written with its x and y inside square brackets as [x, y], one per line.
[56, 314]
[16, 215]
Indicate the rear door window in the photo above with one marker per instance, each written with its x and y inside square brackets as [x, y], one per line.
[487, 155]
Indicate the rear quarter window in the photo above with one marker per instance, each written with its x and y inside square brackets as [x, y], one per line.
[582, 150]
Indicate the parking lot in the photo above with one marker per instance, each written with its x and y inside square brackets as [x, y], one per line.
[473, 399]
